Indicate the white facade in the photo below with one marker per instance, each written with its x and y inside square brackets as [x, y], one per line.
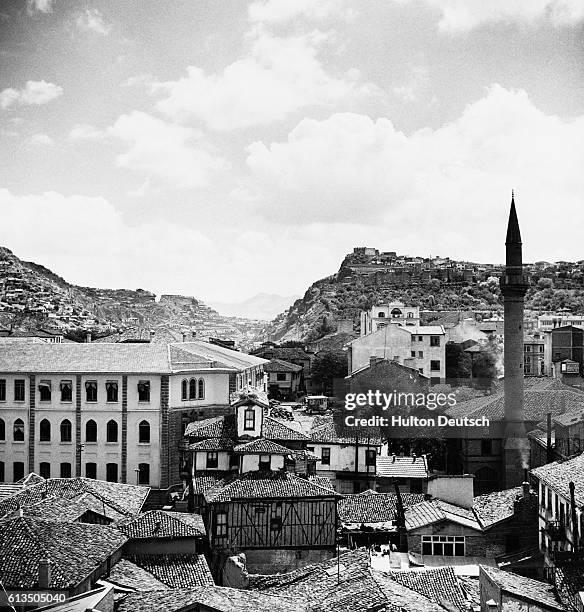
[394, 313]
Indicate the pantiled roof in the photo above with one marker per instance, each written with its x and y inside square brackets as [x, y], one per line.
[279, 365]
[439, 585]
[204, 481]
[223, 599]
[205, 351]
[253, 485]
[212, 444]
[559, 474]
[176, 570]
[322, 481]
[122, 498]
[8, 490]
[75, 550]
[67, 510]
[372, 507]
[90, 600]
[162, 524]
[261, 446]
[402, 467]
[132, 576]
[434, 511]
[329, 432]
[277, 430]
[535, 591]
[497, 506]
[286, 353]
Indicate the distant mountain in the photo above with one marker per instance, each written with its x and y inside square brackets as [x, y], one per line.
[264, 306]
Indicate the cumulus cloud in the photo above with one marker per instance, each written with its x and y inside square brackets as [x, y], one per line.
[350, 168]
[464, 15]
[179, 155]
[280, 11]
[92, 20]
[84, 131]
[33, 93]
[279, 77]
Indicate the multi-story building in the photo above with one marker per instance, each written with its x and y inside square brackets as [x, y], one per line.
[283, 379]
[421, 347]
[536, 348]
[548, 322]
[568, 344]
[114, 412]
[381, 316]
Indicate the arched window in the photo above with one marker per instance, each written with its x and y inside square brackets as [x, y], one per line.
[91, 431]
[144, 473]
[2, 430]
[112, 431]
[193, 388]
[144, 432]
[66, 430]
[45, 431]
[396, 312]
[381, 315]
[185, 389]
[201, 386]
[18, 432]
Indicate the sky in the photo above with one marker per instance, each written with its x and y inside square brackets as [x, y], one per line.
[223, 149]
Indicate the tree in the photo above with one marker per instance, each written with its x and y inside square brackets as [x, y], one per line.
[326, 367]
[458, 362]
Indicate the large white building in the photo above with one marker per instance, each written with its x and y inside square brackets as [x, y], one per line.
[114, 411]
[393, 313]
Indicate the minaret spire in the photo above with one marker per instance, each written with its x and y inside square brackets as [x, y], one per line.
[513, 233]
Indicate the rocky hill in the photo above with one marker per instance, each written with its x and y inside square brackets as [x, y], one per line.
[33, 297]
[367, 276]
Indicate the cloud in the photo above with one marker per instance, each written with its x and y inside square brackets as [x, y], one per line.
[40, 6]
[91, 20]
[279, 77]
[34, 92]
[43, 140]
[350, 168]
[84, 131]
[179, 155]
[465, 15]
[280, 11]
[417, 79]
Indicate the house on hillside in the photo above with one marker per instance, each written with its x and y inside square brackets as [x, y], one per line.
[284, 379]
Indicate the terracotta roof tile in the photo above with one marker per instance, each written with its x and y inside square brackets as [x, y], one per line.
[132, 576]
[497, 506]
[402, 467]
[162, 524]
[279, 365]
[176, 570]
[262, 446]
[372, 507]
[557, 476]
[329, 432]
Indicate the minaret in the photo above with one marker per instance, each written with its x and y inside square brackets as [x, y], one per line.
[514, 285]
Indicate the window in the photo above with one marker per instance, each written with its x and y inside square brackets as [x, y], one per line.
[486, 447]
[144, 473]
[91, 431]
[144, 391]
[249, 419]
[45, 431]
[265, 462]
[2, 430]
[65, 470]
[233, 461]
[184, 387]
[276, 517]
[91, 391]
[91, 470]
[420, 338]
[144, 432]
[45, 391]
[111, 472]
[17, 471]
[2, 390]
[528, 349]
[19, 393]
[413, 353]
[18, 431]
[449, 546]
[281, 376]
[111, 390]
[212, 459]
[541, 349]
[45, 469]
[420, 354]
[66, 430]
[193, 389]
[2, 474]
[201, 387]
[434, 365]
[370, 457]
[434, 340]
[66, 388]
[325, 457]
[221, 525]
[111, 431]
[381, 315]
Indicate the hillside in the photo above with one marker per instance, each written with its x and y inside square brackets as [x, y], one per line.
[33, 297]
[367, 277]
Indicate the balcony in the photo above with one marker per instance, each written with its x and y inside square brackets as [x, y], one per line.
[556, 531]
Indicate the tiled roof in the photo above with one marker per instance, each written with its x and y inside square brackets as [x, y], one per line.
[162, 524]
[253, 485]
[122, 498]
[535, 591]
[559, 474]
[75, 550]
[204, 481]
[322, 481]
[132, 576]
[223, 599]
[330, 432]
[277, 430]
[176, 570]
[372, 507]
[279, 365]
[205, 351]
[402, 467]
[90, 600]
[286, 353]
[439, 585]
[8, 490]
[212, 444]
[434, 511]
[497, 506]
[263, 447]
[67, 510]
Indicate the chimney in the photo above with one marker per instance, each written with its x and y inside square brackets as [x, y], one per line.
[88, 336]
[44, 573]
